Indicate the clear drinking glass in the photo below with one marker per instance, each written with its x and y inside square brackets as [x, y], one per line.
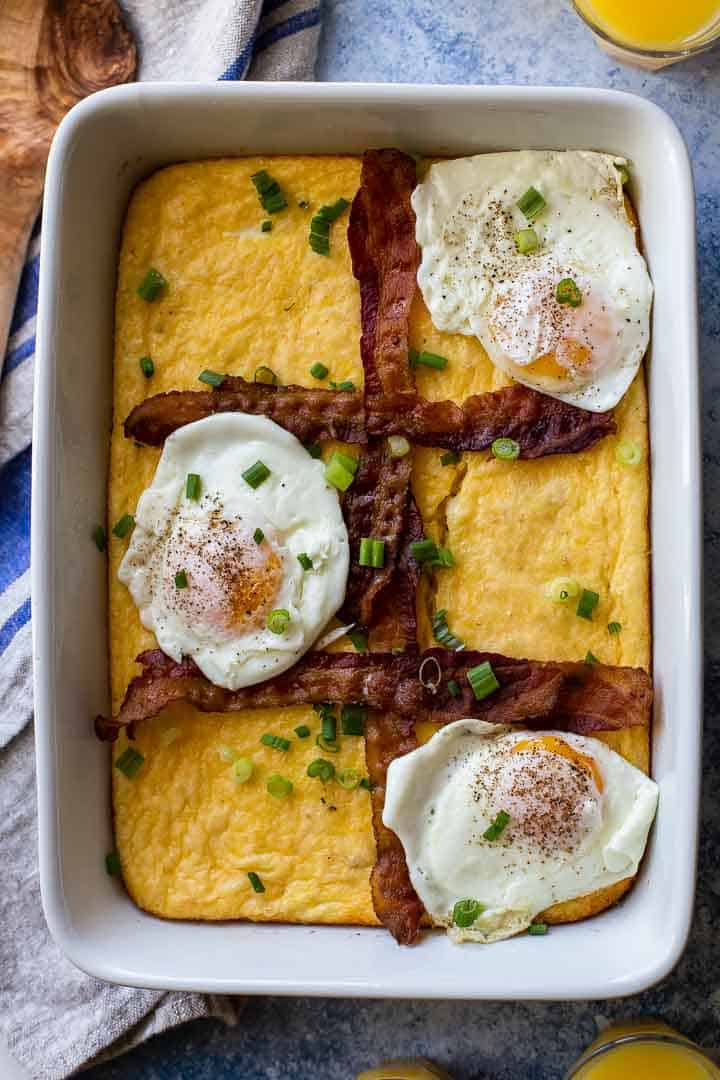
[638, 56]
[659, 1054]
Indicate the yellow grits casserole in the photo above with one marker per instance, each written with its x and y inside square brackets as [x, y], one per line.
[186, 833]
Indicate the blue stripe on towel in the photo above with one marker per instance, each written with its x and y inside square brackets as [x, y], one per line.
[302, 21]
[26, 305]
[18, 355]
[17, 620]
[238, 67]
[15, 518]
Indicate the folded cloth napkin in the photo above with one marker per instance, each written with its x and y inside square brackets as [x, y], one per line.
[54, 1018]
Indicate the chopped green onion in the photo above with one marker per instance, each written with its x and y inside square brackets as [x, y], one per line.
[591, 658]
[330, 746]
[538, 929]
[302, 731]
[181, 580]
[192, 486]
[278, 786]
[423, 550]
[122, 527]
[314, 449]
[624, 174]
[348, 779]
[372, 553]
[256, 474]
[147, 367]
[359, 638]
[531, 203]
[242, 770]
[347, 461]
[212, 378]
[352, 719]
[319, 371]
[442, 634]
[266, 225]
[398, 446]
[152, 285]
[334, 210]
[269, 192]
[346, 384]
[276, 742]
[100, 537]
[321, 769]
[366, 784]
[587, 603]
[466, 912]
[444, 557]
[614, 627]
[337, 475]
[567, 292]
[319, 238]
[265, 375]
[454, 688]
[505, 449]
[328, 726]
[450, 457]
[526, 241]
[278, 620]
[258, 536]
[426, 359]
[112, 863]
[628, 453]
[497, 827]
[255, 882]
[562, 589]
[482, 680]
[129, 762]
[305, 561]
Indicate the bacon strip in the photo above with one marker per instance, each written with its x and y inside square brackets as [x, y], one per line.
[395, 901]
[571, 696]
[310, 414]
[381, 236]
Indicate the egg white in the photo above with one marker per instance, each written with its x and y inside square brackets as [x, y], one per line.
[438, 803]
[474, 280]
[295, 508]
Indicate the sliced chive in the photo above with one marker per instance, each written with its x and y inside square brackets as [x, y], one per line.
[278, 621]
[347, 384]
[256, 474]
[614, 627]
[330, 746]
[398, 446]
[587, 603]
[328, 726]
[531, 203]
[275, 742]
[538, 929]
[255, 882]
[423, 550]
[147, 367]
[314, 449]
[265, 375]
[305, 561]
[454, 688]
[100, 537]
[442, 633]
[352, 719]
[242, 770]
[372, 553]
[427, 359]
[123, 526]
[152, 285]
[590, 658]
[450, 457]
[112, 863]
[278, 786]
[302, 731]
[258, 536]
[482, 680]
[319, 238]
[333, 211]
[366, 783]
[129, 762]
[562, 589]
[444, 557]
[181, 580]
[348, 779]
[567, 292]
[466, 912]
[266, 225]
[319, 371]
[321, 769]
[359, 638]
[347, 461]
[269, 192]
[192, 486]
[526, 241]
[505, 449]
[497, 826]
[212, 378]
[337, 475]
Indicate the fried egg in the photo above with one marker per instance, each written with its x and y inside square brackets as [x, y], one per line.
[212, 562]
[574, 817]
[582, 343]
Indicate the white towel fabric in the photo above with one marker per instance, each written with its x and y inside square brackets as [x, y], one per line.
[54, 1018]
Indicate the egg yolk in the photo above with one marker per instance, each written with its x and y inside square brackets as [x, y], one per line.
[554, 745]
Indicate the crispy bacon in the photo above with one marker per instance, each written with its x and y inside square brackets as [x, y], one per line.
[381, 236]
[395, 901]
[570, 696]
[310, 414]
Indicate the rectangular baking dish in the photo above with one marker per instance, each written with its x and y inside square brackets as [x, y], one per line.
[102, 149]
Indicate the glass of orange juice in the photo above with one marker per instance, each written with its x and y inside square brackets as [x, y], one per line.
[652, 33]
[644, 1050]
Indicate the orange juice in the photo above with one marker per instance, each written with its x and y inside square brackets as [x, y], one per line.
[658, 1054]
[662, 25]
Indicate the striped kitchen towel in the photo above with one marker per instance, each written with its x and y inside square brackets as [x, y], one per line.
[54, 1018]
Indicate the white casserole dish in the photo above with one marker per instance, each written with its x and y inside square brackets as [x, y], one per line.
[102, 149]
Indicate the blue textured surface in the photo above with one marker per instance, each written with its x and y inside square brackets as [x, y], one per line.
[491, 41]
